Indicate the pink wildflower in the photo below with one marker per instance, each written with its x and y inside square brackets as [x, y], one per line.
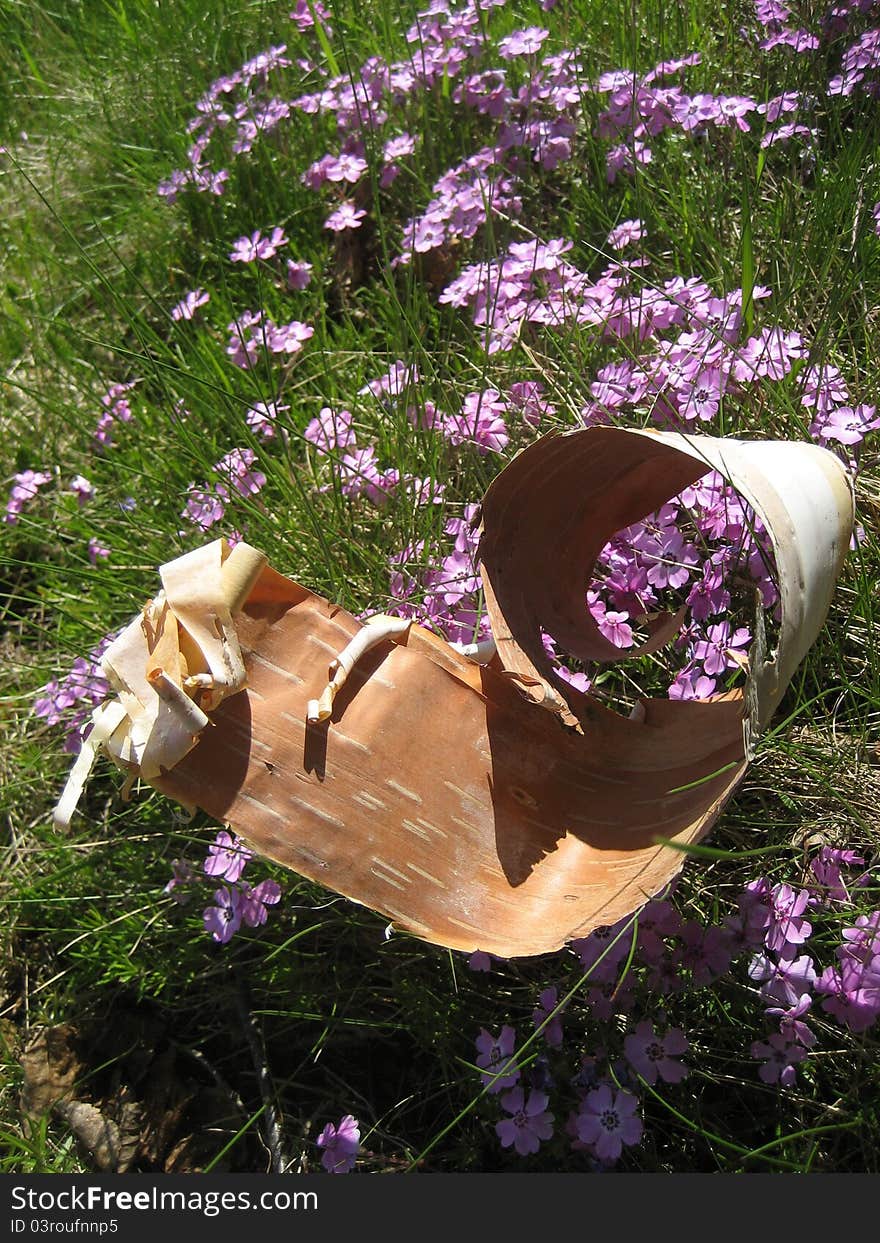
[299, 273]
[96, 549]
[203, 508]
[346, 216]
[530, 1122]
[247, 249]
[254, 902]
[608, 1120]
[81, 489]
[227, 857]
[189, 304]
[780, 1057]
[522, 43]
[223, 919]
[480, 422]
[330, 431]
[496, 1060]
[625, 233]
[654, 1056]
[24, 488]
[340, 1145]
[552, 1030]
[236, 468]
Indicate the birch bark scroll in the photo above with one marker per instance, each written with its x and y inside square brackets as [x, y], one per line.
[441, 792]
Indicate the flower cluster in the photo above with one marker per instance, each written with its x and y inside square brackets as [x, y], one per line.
[852, 987]
[253, 332]
[464, 197]
[236, 902]
[262, 417]
[658, 955]
[247, 249]
[605, 1118]
[25, 486]
[776, 919]
[355, 468]
[443, 592]
[117, 409]
[780, 29]
[69, 702]
[686, 363]
[207, 505]
[686, 553]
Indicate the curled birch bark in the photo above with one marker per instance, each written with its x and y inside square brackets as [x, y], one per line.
[433, 788]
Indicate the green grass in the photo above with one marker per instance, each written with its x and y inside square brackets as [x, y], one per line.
[91, 261]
